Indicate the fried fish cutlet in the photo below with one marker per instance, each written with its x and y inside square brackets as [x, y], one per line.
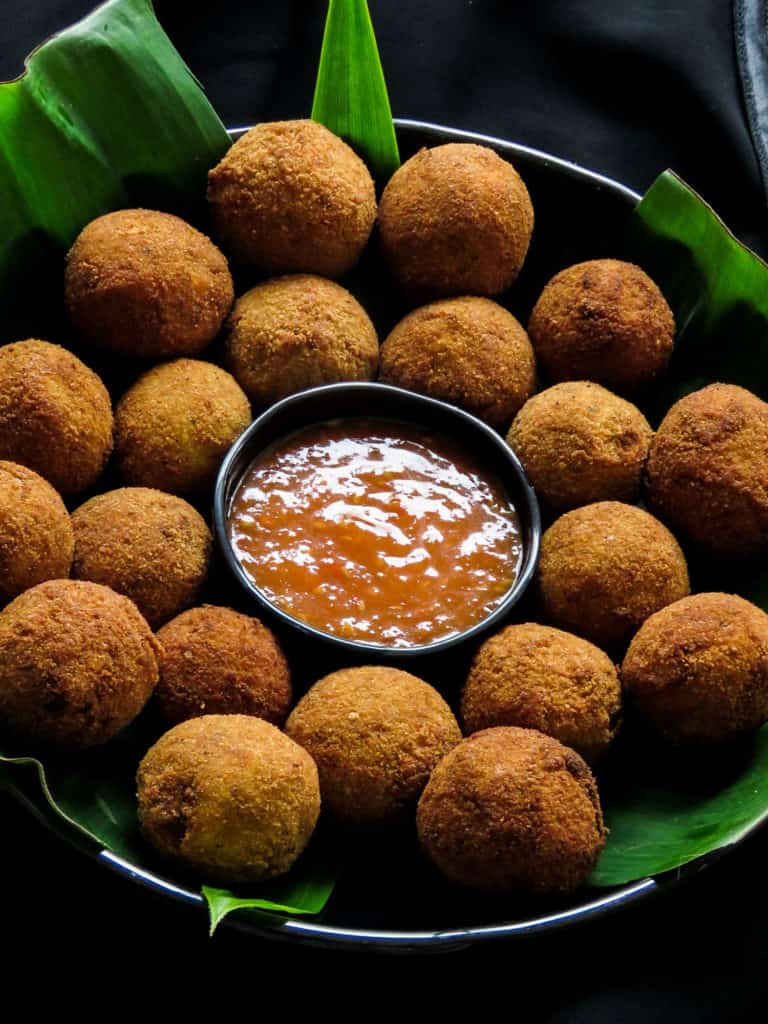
[174, 426]
[145, 283]
[153, 547]
[455, 219]
[55, 415]
[292, 197]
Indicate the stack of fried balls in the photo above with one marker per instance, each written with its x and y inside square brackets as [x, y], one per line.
[104, 577]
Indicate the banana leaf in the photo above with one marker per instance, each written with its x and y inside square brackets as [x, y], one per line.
[304, 891]
[94, 795]
[675, 807]
[106, 115]
[351, 94]
[716, 286]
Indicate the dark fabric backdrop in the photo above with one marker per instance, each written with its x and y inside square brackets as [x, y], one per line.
[626, 90]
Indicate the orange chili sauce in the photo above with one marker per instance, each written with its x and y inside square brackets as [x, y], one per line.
[374, 530]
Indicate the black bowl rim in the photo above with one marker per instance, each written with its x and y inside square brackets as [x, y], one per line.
[417, 401]
[332, 936]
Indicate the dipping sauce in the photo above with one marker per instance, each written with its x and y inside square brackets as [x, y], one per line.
[375, 530]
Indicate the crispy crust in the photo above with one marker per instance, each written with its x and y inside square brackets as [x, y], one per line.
[298, 332]
[77, 663]
[229, 796]
[176, 424]
[510, 809]
[605, 568]
[36, 539]
[148, 284]
[580, 443]
[375, 733]
[469, 351]
[605, 321]
[707, 472]
[455, 220]
[217, 661]
[55, 415]
[542, 678]
[290, 196]
[152, 547]
[698, 669]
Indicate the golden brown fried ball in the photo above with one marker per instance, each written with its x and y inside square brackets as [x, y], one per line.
[77, 663]
[580, 443]
[217, 661]
[145, 283]
[55, 415]
[229, 796]
[375, 734]
[707, 472]
[542, 678]
[176, 424]
[605, 568]
[468, 351]
[510, 809]
[605, 321]
[152, 547]
[292, 196]
[299, 332]
[36, 539]
[455, 220]
[698, 669]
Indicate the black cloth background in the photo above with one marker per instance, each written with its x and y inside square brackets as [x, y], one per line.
[625, 90]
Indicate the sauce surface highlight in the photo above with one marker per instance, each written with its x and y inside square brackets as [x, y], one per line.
[375, 530]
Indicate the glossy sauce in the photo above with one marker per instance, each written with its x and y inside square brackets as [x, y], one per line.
[375, 530]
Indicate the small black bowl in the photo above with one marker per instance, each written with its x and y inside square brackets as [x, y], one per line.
[350, 400]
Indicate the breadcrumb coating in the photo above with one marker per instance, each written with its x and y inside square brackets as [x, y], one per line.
[77, 663]
[55, 415]
[298, 332]
[218, 661]
[145, 283]
[605, 568]
[176, 424]
[36, 538]
[469, 351]
[604, 321]
[580, 443]
[153, 547]
[510, 809]
[375, 733]
[229, 796]
[707, 472]
[455, 220]
[698, 669]
[541, 678]
[290, 196]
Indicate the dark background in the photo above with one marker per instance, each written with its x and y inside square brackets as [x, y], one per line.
[626, 90]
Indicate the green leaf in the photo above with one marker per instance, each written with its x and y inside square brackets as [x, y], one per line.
[666, 808]
[351, 94]
[717, 288]
[306, 890]
[106, 115]
[95, 795]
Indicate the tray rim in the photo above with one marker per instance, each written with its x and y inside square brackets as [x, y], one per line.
[308, 930]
